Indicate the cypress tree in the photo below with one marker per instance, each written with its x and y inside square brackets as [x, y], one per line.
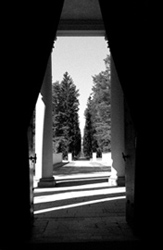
[88, 131]
[66, 131]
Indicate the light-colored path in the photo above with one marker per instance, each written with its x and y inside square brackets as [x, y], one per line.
[82, 169]
[85, 163]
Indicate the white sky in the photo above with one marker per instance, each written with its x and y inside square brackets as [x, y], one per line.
[82, 58]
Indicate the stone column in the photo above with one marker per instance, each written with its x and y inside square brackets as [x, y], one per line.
[117, 125]
[39, 122]
[44, 142]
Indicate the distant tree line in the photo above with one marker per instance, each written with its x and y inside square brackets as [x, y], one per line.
[66, 131]
[97, 131]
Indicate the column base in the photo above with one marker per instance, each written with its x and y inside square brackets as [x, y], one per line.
[121, 181]
[46, 182]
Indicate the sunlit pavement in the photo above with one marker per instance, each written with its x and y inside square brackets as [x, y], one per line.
[82, 169]
[85, 210]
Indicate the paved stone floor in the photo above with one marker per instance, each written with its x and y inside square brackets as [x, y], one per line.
[81, 208]
[81, 168]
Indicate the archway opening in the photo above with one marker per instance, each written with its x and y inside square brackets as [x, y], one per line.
[76, 189]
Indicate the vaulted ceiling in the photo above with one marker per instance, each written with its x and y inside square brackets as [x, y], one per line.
[81, 17]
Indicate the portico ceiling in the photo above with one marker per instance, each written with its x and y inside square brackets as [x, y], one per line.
[81, 9]
[81, 17]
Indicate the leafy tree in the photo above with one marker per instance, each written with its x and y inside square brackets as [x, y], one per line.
[66, 131]
[100, 111]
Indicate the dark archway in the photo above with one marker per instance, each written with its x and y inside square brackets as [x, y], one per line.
[130, 42]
